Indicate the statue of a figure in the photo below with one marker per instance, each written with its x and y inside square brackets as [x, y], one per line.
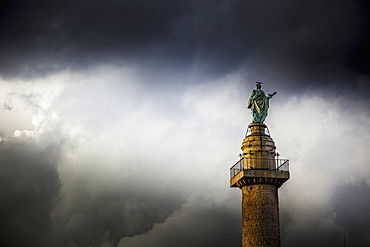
[259, 104]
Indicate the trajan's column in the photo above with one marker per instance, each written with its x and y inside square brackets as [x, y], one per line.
[259, 173]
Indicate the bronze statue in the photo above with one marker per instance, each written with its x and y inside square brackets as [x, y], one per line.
[259, 104]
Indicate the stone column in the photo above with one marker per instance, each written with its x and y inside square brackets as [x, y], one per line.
[259, 181]
[260, 217]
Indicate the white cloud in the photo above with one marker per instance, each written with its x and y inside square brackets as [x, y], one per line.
[27, 106]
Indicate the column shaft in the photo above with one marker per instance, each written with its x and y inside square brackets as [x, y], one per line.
[260, 220]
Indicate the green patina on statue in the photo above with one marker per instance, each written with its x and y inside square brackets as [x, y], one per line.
[259, 104]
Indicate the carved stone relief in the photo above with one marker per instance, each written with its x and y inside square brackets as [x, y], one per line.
[260, 216]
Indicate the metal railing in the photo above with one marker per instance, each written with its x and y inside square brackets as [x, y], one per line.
[255, 163]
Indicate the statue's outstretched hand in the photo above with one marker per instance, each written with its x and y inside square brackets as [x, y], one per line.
[272, 94]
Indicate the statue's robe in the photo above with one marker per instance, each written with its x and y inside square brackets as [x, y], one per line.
[259, 104]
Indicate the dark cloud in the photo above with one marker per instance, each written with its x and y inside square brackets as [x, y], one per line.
[305, 45]
[29, 190]
[43, 207]
[198, 223]
[297, 44]
[351, 203]
[44, 36]
[88, 217]
[39, 210]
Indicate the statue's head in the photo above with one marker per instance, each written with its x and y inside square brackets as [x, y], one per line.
[258, 84]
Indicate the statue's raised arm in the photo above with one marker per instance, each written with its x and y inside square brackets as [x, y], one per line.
[259, 104]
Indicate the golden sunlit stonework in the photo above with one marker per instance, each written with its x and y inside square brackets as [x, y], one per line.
[259, 173]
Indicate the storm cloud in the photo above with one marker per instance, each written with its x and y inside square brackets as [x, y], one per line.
[29, 192]
[120, 119]
[310, 42]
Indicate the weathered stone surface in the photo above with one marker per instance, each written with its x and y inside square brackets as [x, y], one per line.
[258, 147]
[251, 177]
[260, 220]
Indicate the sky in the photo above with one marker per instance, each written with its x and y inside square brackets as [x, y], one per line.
[120, 119]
